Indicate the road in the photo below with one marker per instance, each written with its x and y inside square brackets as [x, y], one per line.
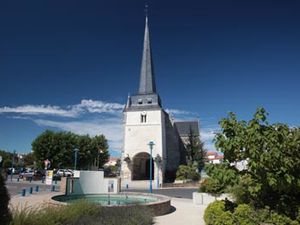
[16, 188]
[171, 192]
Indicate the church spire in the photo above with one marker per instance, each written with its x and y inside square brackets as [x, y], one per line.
[147, 81]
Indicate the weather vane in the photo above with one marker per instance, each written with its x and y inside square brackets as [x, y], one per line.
[146, 9]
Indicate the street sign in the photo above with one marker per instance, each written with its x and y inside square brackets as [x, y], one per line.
[49, 177]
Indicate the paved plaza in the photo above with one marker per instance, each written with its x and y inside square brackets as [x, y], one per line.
[183, 209]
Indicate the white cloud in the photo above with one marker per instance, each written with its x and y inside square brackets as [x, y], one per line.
[85, 106]
[207, 135]
[38, 110]
[111, 128]
[98, 107]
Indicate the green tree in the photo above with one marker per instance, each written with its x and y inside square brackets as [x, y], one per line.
[195, 152]
[5, 215]
[101, 147]
[187, 172]
[6, 159]
[28, 159]
[58, 147]
[273, 155]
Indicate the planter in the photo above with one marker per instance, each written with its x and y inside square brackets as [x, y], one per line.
[200, 198]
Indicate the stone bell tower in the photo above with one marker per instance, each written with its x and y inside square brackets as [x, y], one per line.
[144, 121]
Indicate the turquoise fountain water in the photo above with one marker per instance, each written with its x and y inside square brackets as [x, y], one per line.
[107, 199]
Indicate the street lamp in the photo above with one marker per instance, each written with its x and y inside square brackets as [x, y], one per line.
[75, 158]
[151, 143]
[0, 165]
[158, 161]
[12, 166]
[100, 152]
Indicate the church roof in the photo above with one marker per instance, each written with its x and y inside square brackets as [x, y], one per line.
[146, 98]
[147, 81]
[184, 127]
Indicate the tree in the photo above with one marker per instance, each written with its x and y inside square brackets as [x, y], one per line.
[5, 215]
[100, 145]
[6, 159]
[28, 159]
[187, 172]
[195, 152]
[272, 152]
[58, 147]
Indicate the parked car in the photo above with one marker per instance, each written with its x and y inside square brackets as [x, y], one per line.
[64, 173]
[26, 174]
[32, 174]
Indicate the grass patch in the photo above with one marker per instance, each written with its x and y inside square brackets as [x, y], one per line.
[82, 213]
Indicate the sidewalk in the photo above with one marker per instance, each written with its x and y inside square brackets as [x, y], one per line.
[185, 213]
[32, 201]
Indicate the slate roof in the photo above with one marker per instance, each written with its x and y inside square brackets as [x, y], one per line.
[147, 98]
[184, 127]
[147, 81]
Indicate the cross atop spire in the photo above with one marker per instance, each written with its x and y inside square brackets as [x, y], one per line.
[147, 81]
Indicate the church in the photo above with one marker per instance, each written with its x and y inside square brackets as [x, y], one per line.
[146, 121]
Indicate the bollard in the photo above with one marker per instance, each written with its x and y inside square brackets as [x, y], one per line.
[23, 192]
[30, 190]
[37, 189]
[30, 179]
[53, 188]
[55, 181]
[43, 179]
[126, 186]
[18, 179]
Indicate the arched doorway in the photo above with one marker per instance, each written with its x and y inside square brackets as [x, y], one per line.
[141, 166]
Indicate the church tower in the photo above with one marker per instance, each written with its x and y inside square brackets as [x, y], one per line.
[144, 121]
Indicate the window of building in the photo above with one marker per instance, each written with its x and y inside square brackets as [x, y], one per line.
[149, 100]
[143, 118]
[140, 101]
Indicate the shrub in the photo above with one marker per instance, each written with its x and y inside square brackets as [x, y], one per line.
[213, 212]
[218, 214]
[188, 172]
[225, 218]
[211, 186]
[245, 215]
[278, 219]
[221, 177]
[5, 215]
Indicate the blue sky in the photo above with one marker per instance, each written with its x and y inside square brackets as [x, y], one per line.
[69, 65]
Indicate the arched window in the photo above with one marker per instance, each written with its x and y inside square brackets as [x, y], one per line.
[143, 117]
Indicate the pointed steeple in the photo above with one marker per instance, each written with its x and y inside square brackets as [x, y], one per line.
[147, 81]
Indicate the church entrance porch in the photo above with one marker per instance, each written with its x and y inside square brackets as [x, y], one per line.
[141, 166]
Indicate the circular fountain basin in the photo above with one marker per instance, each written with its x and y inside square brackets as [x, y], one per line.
[159, 204]
[106, 200]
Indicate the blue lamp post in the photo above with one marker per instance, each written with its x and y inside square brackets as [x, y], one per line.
[75, 158]
[151, 143]
[12, 165]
